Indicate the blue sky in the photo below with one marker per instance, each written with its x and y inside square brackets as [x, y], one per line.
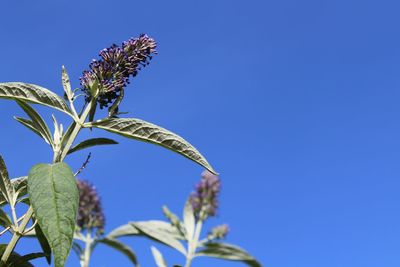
[295, 103]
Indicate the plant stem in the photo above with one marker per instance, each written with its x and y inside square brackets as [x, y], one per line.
[76, 130]
[16, 236]
[14, 214]
[85, 258]
[192, 246]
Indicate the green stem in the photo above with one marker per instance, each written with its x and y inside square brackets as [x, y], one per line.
[192, 246]
[16, 236]
[14, 214]
[85, 258]
[75, 131]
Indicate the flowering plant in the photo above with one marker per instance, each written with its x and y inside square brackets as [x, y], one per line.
[62, 211]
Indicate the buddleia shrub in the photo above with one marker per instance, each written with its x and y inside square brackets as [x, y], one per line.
[63, 212]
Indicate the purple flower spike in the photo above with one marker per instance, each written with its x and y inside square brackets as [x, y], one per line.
[90, 212]
[205, 199]
[116, 66]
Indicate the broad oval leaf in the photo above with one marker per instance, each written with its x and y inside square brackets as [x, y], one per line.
[54, 197]
[228, 252]
[92, 142]
[121, 247]
[151, 133]
[34, 94]
[162, 232]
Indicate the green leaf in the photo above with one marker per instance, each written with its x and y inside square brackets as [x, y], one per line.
[123, 230]
[121, 247]
[66, 84]
[5, 184]
[148, 132]
[92, 142]
[5, 220]
[158, 257]
[44, 244]
[68, 133]
[54, 197]
[15, 260]
[19, 185]
[28, 124]
[228, 252]
[188, 220]
[162, 232]
[32, 256]
[174, 220]
[37, 122]
[33, 94]
[77, 248]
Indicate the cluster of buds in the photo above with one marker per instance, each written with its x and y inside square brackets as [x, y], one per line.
[90, 212]
[218, 232]
[205, 199]
[109, 75]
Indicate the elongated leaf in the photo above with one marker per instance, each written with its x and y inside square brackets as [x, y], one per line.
[37, 121]
[92, 142]
[5, 184]
[188, 220]
[68, 133]
[123, 230]
[162, 232]
[28, 124]
[15, 260]
[19, 185]
[65, 82]
[174, 220]
[77, 248]
[54, 197]
[121, 247]
[5, 221]
[34, 94]
[44, 244]
[228, 252]
[32, 256]
[148, 132]
[158, 257]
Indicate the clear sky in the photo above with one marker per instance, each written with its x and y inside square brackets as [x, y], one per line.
[295, 103]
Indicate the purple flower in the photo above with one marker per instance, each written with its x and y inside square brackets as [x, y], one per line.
[205, 199]
[111, 73]
[90, 212]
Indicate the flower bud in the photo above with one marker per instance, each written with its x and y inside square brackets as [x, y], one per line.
[205, 199]
[219, 232]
